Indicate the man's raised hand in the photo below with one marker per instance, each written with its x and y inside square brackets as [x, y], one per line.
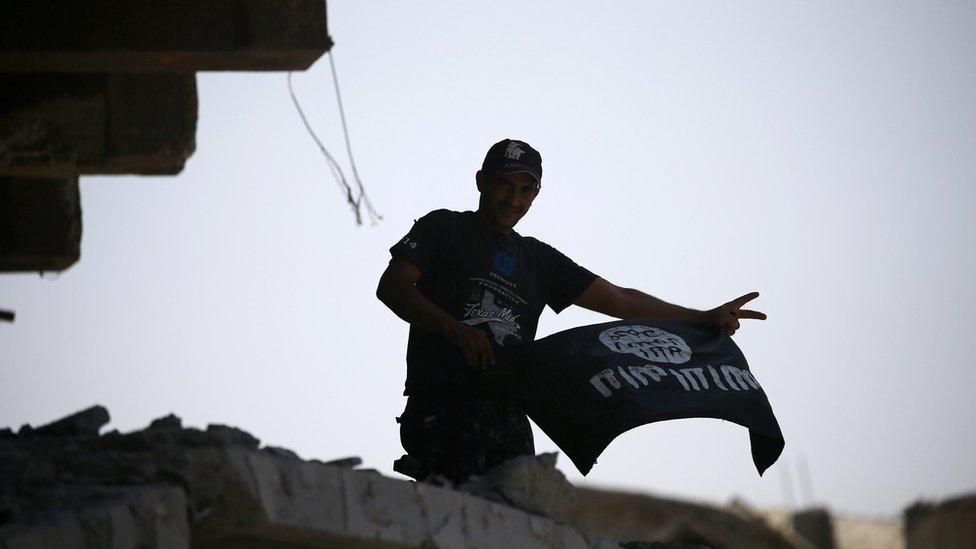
[727, 316]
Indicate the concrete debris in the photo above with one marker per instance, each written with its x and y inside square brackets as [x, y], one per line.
[63, 485]
[530, 483]
[144, 516]
[347, 462]
[233, 435]
[84, 423]
[279, 452]
[167, 422]
[166, 486]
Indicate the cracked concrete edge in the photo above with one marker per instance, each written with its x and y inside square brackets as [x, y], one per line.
[240, 494]
[370, 507]
[135, 516]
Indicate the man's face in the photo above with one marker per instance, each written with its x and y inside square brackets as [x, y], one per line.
[505, 198]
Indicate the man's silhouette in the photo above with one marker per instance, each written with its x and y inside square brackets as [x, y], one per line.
[466, 279]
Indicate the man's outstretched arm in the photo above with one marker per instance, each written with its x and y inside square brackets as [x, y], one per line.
[624, 303]
[398, 291]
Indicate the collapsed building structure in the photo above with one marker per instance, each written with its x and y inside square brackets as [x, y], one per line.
[65, 485]
[106, 87]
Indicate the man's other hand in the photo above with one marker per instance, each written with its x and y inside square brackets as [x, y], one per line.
[474, 344]
[727, 316]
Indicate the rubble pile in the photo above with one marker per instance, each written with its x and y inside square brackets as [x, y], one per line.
[65, 485]
[531, 483]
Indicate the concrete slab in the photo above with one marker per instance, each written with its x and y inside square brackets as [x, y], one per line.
[112, 36]
[64, 125]
[40, 224]
[224, 492]
[132, 516]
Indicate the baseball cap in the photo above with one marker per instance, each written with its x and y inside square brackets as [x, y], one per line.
[513, 156]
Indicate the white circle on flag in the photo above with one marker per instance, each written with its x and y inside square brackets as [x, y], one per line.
[646, 342]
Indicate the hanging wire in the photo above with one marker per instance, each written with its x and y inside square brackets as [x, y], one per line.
[363, 197]
[361, 200]
[333, 165]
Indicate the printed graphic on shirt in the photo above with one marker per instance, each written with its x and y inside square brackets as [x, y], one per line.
[504, 263]
[646, 342]
[501, 320]
[504, 289]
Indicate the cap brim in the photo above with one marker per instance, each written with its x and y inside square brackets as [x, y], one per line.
[521, 170]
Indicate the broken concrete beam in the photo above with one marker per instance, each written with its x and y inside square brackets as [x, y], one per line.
[326, 503]
[350, 462]
[171, 421]
[531, 483]
[233, 435]
[65, 125]
[253, 499]
[87, 422]
[236, 496]
[112, 36]
[40, 224]
[131, 516]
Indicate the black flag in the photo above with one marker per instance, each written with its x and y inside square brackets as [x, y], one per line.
[585, 386]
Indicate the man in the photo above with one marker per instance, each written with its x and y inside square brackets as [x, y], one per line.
[467, 282]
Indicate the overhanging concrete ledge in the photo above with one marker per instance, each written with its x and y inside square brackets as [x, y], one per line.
[63, 125]
[112, 36]
[40, 224]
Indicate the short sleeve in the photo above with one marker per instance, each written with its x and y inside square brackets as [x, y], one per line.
[569, 280]
[424, 242]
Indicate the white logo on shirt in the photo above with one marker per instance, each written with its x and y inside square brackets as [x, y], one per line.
[501, 320]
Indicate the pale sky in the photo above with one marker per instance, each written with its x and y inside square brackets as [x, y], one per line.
[820, 153]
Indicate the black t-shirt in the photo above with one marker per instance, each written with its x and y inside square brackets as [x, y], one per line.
[485, 279]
